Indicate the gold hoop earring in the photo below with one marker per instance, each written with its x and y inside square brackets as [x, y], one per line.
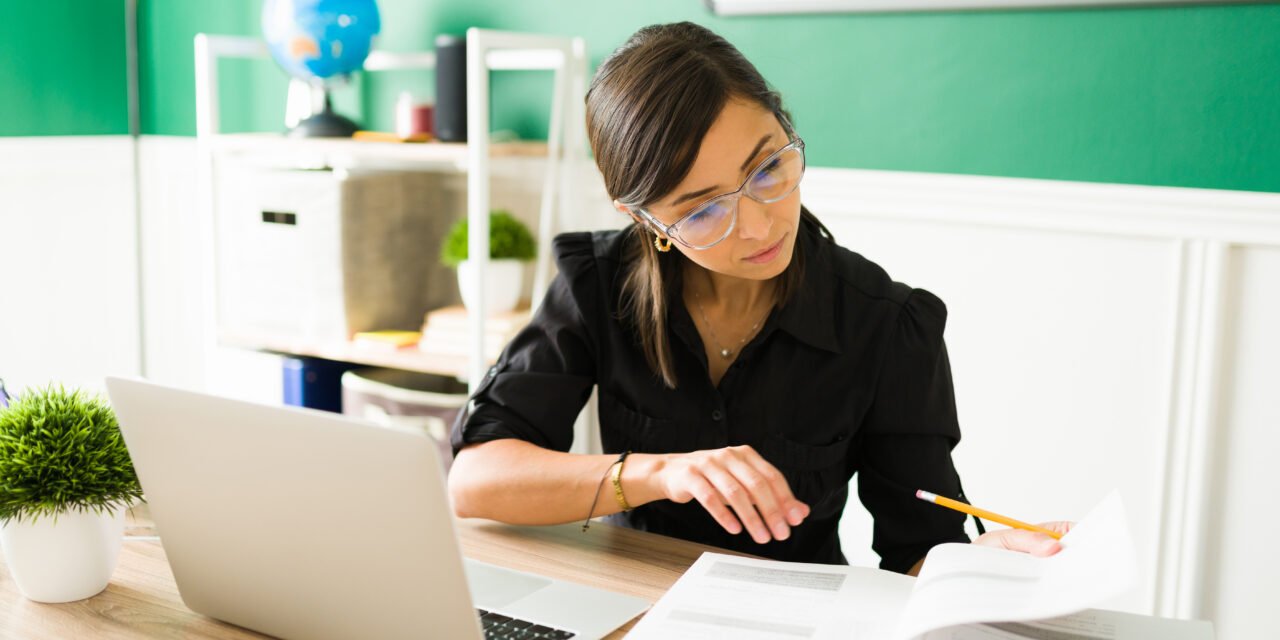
[660, 244]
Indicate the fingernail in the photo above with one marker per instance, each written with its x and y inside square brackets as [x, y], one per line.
[797, 515]
[781, 531]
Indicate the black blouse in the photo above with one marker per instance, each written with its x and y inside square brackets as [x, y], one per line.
[849, 377]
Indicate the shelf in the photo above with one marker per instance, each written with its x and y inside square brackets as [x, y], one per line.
[406, 358]
[556, 160]
[273, 148]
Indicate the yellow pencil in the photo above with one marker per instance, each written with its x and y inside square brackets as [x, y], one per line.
[984, 514]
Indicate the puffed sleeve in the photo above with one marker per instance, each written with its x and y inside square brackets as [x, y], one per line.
[906, 441]
[543, 377]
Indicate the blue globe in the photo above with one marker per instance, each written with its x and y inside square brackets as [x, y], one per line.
[317, 40]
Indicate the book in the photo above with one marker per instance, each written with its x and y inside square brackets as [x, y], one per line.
[964, 592]
[460, 346]
[455, 318]
[386, 340]
[447, 331]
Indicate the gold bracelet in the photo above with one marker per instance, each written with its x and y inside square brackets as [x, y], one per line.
[586, 524]
[617, 482]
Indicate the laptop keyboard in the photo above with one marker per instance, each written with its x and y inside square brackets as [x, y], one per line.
[498, 626]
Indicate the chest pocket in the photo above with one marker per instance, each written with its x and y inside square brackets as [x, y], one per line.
[815, 473]
[625, 429]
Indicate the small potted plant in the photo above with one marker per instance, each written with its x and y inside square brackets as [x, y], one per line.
[65, 482]
[511, 245]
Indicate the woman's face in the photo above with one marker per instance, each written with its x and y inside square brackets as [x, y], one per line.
[761, 243]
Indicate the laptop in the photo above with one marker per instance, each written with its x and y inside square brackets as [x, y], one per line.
[306, 524]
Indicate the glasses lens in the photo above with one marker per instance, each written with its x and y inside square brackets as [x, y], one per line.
[777, 177]
[709, 223]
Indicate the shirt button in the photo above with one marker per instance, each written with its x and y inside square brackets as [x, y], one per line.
[717, 415]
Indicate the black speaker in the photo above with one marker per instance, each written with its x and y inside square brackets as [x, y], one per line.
[451, 89]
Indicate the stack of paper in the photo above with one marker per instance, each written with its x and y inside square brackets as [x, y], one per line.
[960, 585]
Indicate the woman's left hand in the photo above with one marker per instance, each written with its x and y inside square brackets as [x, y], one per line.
[1032, 542]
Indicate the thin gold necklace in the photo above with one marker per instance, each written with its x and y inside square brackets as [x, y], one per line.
[725, 353]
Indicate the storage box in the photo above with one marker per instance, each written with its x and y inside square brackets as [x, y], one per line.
[318, 255]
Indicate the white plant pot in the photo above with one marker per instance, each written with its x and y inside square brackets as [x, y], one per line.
[503, 280]
[63, 562]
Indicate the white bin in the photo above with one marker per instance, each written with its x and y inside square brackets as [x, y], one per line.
[406, 399]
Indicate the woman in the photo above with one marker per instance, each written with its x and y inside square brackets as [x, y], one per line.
[750, 373]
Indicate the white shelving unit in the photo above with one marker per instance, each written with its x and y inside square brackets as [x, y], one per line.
[487, 51]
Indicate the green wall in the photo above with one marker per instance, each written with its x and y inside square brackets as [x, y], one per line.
[62, 68]
[252, 92]
[1185, 96]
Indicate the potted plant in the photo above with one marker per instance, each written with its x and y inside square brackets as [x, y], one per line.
[511, 245]
[65, 482]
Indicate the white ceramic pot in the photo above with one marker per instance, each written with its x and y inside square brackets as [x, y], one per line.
[69, 560]
[503, 281]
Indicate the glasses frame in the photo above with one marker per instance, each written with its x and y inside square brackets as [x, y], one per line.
[673, 230]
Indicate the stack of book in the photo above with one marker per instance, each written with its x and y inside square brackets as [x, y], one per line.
[447, 331]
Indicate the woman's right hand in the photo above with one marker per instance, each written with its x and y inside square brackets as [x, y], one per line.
[737, 487]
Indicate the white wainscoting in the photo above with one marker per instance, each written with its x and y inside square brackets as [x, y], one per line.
[68, 261]
[1101, 336]
[1241, 574]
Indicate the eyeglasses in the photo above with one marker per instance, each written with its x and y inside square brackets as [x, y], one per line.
[705, 225]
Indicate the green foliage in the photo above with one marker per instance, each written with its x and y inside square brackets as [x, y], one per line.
[508, 238]
[62, 450]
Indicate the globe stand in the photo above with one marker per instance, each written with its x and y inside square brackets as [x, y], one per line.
[326, 124]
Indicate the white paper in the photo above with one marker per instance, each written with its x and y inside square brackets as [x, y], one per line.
[724, 596]
[1090, 624]
[962, 583]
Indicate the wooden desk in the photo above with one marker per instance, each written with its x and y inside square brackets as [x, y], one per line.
[142, 600]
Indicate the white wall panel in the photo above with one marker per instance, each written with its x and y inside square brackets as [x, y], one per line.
[1100, 335]
[68, 261]
[1243, 564]
[171, 259]
[1058, 348]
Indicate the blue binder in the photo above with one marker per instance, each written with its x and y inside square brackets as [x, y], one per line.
[315, 383]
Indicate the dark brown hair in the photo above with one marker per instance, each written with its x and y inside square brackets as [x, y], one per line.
[649, 107]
